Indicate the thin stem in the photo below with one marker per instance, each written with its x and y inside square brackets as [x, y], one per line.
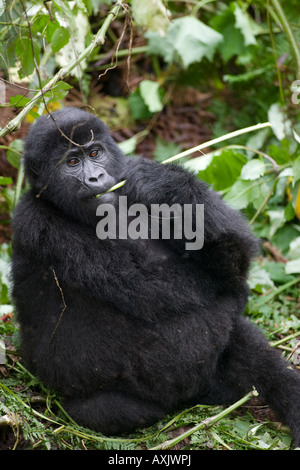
[274, 344]
[288, 31]
[36, 413]
[265, 298]
[121, 53]
[264, 203]
[205, 423]
[228, 136]
[20, 179]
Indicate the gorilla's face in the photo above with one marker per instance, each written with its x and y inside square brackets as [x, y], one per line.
[89, 170]
[75, 160]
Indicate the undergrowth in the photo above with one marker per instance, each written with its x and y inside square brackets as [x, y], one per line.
[32, 416]
[252, 76]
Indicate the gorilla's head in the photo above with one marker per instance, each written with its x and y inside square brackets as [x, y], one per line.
[70, 158]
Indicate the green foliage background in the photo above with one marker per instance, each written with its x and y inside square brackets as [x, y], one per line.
[246, 55]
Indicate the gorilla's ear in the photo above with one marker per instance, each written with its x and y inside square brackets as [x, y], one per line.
[33, 167]
[30, 166]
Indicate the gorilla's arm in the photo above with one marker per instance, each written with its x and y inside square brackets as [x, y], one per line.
[102, 269]
[228, 243]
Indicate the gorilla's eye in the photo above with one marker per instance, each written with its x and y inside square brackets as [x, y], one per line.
[73, 161]
[94, 153]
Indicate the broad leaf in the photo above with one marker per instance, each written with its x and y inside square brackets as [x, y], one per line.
[223, 170]
[245, 25]
[253, 169]
[151, 96]
[296, 169]
[4, 180]
[59, 39]
[23, 48]
[151, 14]
[187, 41]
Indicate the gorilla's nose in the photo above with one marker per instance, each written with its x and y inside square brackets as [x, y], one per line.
[95, 179]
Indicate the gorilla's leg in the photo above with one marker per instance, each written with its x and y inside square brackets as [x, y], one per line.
[250, 361]
[112, 413]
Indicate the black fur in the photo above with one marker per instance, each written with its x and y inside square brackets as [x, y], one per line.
[129, 331]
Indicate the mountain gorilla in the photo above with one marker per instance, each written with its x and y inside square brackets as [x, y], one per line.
[129, 330]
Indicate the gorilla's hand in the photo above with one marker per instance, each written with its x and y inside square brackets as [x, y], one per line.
[148, 182]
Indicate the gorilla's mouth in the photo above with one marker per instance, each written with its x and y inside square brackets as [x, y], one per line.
[100, 195]
[95, 193]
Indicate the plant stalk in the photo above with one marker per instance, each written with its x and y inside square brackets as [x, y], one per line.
[228, 136]
[288, 31]
[205, 423]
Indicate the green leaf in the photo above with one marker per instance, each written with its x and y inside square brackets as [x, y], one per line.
[276, 219]
[18, 101]
[67, 13]
[289, 212]
[150, 94]
[187, 41]
[138, 108]
[253, 169]
[244, 23]
[280, 124]
[294, 251]
[223, 170]
[296, 169]
[4, 180]
[259, 278]
[233, 43]
[247, 76]
[284, 236]
[23, 48]
[128, 146]
[277, 273]
[59, 91]
[151, 14]
[293, 267]
[2, 7]
[240, 195]
[14, 152]
[164, 150]
[280, 153]
[59, 39]
[45, 26]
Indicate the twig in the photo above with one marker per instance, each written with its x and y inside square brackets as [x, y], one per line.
[64, 306]
[208, 422]
[274, 344]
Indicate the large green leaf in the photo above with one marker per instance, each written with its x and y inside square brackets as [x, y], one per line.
[187, 41]
[59, 39]
[24, 49]
[253, 169]
[223, 170]
[151, 95]
[245, 24]
[233, 43]
[151, 14]
[245, 192]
